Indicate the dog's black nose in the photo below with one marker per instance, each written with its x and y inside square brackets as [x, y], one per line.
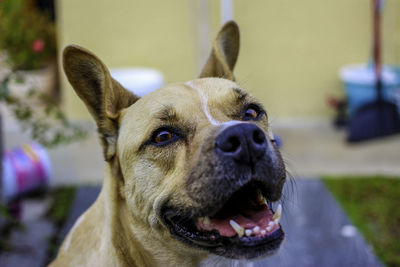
[244, 142]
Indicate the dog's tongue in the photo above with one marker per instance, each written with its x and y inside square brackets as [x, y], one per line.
[247, 220]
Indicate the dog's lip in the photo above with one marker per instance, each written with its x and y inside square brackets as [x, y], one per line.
[232, 247]
[255, 218]
[186, 228]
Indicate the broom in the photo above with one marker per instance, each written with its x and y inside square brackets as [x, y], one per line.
[380, 117]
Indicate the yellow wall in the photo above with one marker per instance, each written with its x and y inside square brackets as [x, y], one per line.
[290, 55]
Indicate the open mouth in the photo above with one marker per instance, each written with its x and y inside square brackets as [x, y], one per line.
[244, 227]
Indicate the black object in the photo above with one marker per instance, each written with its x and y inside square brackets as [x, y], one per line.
[375, 119]
[244, 142]
[341, 116]
[380, 117]
[47, 8]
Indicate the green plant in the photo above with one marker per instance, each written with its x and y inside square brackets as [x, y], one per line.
[62, 201]
[27, 36]
[63, 198]
[7, 224]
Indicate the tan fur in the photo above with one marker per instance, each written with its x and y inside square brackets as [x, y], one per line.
[123, 228]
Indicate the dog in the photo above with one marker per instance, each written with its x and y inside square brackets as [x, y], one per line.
[192, 168]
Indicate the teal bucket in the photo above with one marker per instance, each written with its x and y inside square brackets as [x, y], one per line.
[359, 83]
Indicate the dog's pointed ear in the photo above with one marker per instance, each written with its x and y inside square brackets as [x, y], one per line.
[104, 97]
[224, 54]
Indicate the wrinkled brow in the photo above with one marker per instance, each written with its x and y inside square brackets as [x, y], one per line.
[167, 113]
[169, 116]
[241, 95]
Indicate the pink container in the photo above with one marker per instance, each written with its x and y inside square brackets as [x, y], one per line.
[25, 168]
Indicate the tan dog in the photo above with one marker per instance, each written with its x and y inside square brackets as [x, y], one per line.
[191, 169]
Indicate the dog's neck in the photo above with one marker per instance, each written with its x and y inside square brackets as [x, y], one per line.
[130, 239]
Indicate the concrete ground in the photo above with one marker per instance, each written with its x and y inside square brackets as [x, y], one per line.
[311, 148]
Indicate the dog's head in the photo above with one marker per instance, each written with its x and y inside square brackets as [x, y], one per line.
[195, 160]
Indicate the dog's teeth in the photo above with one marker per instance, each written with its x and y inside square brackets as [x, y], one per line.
[278, 213]
[256, 229]
[238, 229]
[204, 220]
[268, 228]
[248, 232]
[271, 223]
[263, 232]
[261, 199]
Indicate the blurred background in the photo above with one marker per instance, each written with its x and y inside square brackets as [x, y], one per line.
[317, 67]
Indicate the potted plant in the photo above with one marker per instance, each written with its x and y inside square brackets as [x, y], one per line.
[28, 73]
[29, 45]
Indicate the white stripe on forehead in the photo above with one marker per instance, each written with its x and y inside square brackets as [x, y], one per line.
[204, 103]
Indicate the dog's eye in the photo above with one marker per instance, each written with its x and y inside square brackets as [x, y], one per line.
[162, 136]
[251, 113]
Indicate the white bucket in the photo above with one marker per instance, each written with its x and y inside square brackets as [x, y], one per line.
[139, 81]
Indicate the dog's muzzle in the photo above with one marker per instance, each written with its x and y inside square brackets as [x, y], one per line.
[232, 187]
